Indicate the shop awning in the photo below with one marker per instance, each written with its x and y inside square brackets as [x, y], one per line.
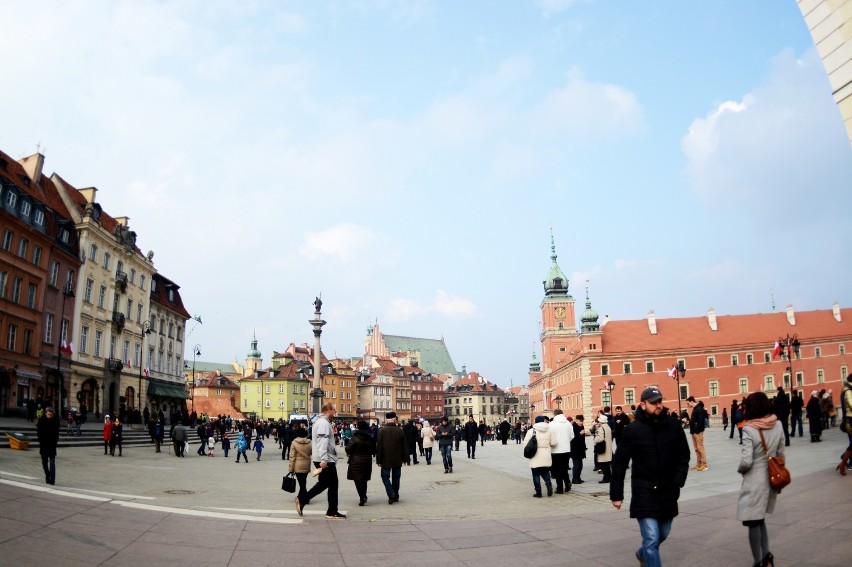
[160, 389]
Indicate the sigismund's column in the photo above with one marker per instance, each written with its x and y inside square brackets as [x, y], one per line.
[317, 324]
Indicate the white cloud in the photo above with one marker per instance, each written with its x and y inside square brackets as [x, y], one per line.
[453, 305]
[346, 242]
[443, 304]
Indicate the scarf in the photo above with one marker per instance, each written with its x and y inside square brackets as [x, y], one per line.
[766, 422]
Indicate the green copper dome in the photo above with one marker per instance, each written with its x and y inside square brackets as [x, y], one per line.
[254, 353]
[556, 283]
[590, 316]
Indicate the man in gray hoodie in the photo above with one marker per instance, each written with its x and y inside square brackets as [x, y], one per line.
[325, 458]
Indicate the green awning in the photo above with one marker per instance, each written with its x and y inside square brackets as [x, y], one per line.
[160, 389]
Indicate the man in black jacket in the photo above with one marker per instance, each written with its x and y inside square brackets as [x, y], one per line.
[47, 431]
[782, 412]
[796, 405]
[656, 444]
[391, 452]
[697, 421]
[471, 436]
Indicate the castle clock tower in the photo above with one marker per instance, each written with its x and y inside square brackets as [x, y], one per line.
[558, 320]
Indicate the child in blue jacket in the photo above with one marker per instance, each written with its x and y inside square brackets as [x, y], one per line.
[258, 446]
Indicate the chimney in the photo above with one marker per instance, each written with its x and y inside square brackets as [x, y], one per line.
[791, 315]
[123, 221]
[652, 322]
[605, 321]
[33, 165]
[257, 373]
[835, 310]
[89, 194]
[711, 319]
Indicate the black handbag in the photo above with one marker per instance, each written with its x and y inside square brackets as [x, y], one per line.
[531, 447]
[600, 447]
[288, 483]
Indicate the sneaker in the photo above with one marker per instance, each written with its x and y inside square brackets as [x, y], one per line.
[335, 516]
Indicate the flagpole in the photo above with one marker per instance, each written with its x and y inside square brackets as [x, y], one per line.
[146, 329]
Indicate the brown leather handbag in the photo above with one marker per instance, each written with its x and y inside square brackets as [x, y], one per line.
[779, 476]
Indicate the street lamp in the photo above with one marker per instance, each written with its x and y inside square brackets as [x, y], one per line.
[558, 400]
[60, 379]
[681, 372]
[610, 386]
[789, 346]
[146, 330]
[196, 351]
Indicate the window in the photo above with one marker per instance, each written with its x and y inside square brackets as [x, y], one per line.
[649, 366]
[786, 380]
[107, 259]
[69, 279]
[800, 379]
[39, 217]
[11, 199]
[844, 372]
[112, 346]
[132, 276]
[84, 340]
[627, 368]
[295, 389]
[126, 352]
[54, 273]
[743, 385]
[684, 391]
[37, 254]
[817, 352]
[102, 296]
[842, 349]
[139, 313]
[7, 240]
[142, 282]
[129, 307]
[605, 398]
[64, 236]
[562, 349]
[768, 383]
[87, 293]
[711, 362]
[99, 337]
[749, 358]
[280, 388]
[93, 253]
[767, 357]
[820, 376]
[26, 208]
[28, 341]
[714, 410]
[735, 360]
[48, 328]
[604, 369]
[16, 290]
[267, 389]
[714, 388]
[31, 295]
[11, 337]
[22, 247]
[629, 396]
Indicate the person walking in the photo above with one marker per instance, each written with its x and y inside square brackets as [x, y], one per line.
[157, 434]
[300, 464]
[578, 449]
[201, 430]
[241, 447]
[814, 415]
[735, 415]
[446, 432]
[226, 444]
[724, 419]
[324, 455]
[504, 429]
[285, 437]
[541, 462]
[391, 452]
[796, 406]
[563, 434]
[483, 432]
[782, 412]
[258, 446]
[116, 437]
[762, 436]
[458, 433]
[428, 437]
[361, 448]
[697, 422]
[179, 436]
[846, 420]
[471, 436]
[603, 438]
[107, 432]
[656, 445]
[410, 432]
[47, 433]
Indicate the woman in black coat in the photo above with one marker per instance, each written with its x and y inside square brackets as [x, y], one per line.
[361, 449]
[47, 431]
[814, 415]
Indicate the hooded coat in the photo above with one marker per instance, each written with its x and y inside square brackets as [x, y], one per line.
[659, 452]
[604, 434]
[428, 436]
[562, 432]
[543, 456]
[300, 455]
[360, 449]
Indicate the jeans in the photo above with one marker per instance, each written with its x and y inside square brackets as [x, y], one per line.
[654, 532]
[794, 419]
[539, 473]
[49, 466]
[326, 479]
[578, 468]
[390, 478]
[471, 448]
[447, 455]
[428, 454]
[559, 471]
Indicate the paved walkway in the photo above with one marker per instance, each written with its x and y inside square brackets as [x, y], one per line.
[151, 508]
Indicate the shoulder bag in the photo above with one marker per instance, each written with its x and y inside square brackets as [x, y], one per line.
[779, 476]
[531, 447]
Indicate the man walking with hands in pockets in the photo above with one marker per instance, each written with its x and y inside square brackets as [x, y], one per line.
[656, 444]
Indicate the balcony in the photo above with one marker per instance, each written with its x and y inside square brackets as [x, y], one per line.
[114, 364]
[121, 281]
[118, 319]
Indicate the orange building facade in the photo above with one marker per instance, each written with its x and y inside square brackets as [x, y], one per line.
[724, 357]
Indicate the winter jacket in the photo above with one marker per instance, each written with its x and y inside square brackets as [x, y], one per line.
[578, 443]
[604, 434]
[756, 498]
[300, 455]
[782, 405]
[563, 433]
[445, 434]
[360, 449]
[659, 452]
[323, 449]
[428, 437]
[545, 442]
[47, 432]
[471, 431]
[391, 449]
[697, 419]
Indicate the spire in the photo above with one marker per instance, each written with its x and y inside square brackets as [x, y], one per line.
[254, 353]
[534, 365]
[556, 283]
[590, 316]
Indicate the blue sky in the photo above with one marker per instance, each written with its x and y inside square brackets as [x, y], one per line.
[407, 159]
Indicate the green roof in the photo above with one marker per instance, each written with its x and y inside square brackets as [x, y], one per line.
[205, 368]
[434, 356]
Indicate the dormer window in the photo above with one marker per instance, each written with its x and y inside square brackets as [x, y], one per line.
[26, 208]
[38, 218]
[11, 199]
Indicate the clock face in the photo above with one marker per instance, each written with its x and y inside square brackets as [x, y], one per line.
[559, 312]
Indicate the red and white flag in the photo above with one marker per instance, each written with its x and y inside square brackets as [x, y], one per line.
[672, 371]
[66, 348]
[147, 372]
[70, 348]
[777, 351]
[129, 364]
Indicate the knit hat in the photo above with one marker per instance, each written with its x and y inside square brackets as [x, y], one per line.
[603, 419]
[540, 418]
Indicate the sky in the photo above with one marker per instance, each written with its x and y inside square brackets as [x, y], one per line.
[409, 160]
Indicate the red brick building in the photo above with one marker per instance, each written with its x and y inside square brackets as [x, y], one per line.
[724, 357]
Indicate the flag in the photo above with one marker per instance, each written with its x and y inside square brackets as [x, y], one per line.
[777, 350]
[147, 372]
[672, 371]
[129, 364]
[66, 348]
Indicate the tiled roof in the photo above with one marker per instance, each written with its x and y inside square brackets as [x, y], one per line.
[434, 356]
[388, 366]
[202, 367]
[289, 371]
[733, 330]
[477, 383]
[160, 294]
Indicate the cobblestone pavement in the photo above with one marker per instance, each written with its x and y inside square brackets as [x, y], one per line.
[151, 508]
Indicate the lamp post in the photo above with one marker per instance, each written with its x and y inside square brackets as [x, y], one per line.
[558, 400]
[681, 372]
[610, 386]
[146, 330]
[196, 351]
[60, 379]
[789, 346]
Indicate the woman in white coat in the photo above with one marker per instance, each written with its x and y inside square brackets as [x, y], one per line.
[541, 462]
[756, 497]
[428, 437]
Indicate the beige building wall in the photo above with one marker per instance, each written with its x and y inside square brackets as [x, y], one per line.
[830, 24]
